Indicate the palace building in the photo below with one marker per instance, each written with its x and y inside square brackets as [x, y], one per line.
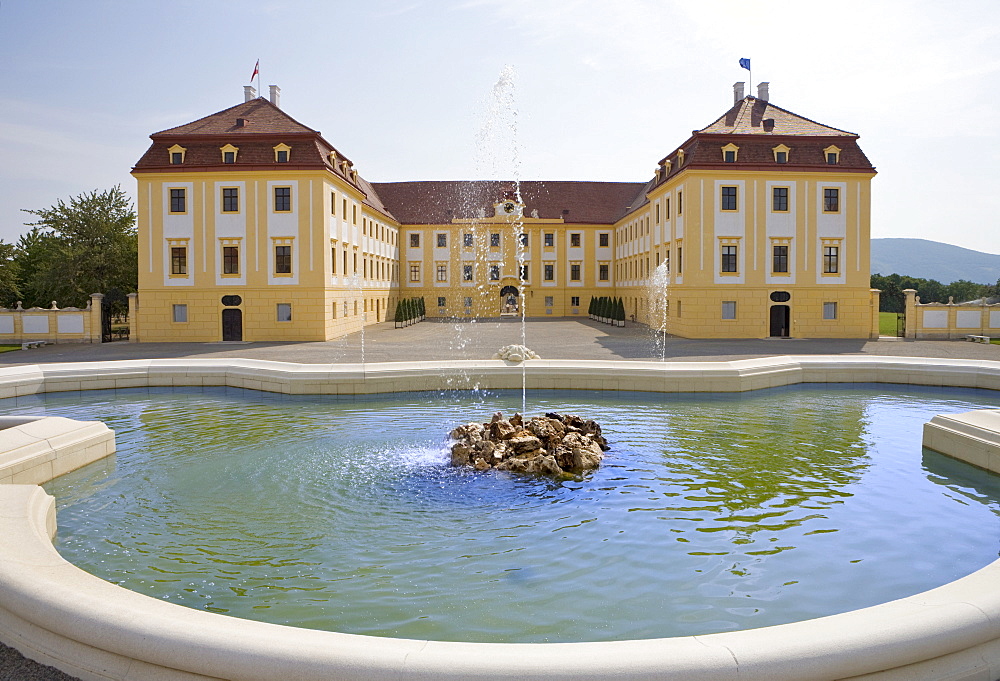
[254, 227]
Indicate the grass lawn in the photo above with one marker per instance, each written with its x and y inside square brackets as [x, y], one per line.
[887, 323]
[8, 348]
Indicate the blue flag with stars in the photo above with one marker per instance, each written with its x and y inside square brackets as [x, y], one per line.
[745, 63]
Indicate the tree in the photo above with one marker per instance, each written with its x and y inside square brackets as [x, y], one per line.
[88, 245]
[10, 291]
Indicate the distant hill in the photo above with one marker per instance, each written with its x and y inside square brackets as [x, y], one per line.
[933, 260]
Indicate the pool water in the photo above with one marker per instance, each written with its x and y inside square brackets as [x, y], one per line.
[710, 512]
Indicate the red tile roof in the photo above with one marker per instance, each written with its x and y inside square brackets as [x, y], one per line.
[261, 115]
[752, 116]
[437, 202]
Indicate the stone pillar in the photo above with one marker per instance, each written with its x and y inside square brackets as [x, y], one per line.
[96, 307]
[911, 312]
[874, 332]
[53, 323]
[133, 318]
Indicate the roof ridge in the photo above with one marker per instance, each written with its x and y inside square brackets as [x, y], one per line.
[256, 101]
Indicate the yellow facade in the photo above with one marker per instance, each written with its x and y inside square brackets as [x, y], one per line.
[252, 227]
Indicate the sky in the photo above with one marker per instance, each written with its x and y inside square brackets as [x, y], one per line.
[602, 90]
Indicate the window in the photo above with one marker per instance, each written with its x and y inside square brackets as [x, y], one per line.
[666, 209]
[729, 153]
[829, 310]
[680, 203]
[524, 239]
[414, 241]
[467, 301]
[680, 264]
[729, 259]
[779, 259]
[230, 260]
[549, 301]
[333, 204]
[602, 272]
[831, 200]
[180, 313]
[176, 153]
[574, 240]
[550, 272]
[603, 240]
[441, 301]
[494, 272]
[729, 309]
[333, 310]
[779, 199]
[414, 273]
[574, 301]
[730, 157]
[229, 153]
[494, 240]
[442, 240]
[230, 200]
[466, 272]
[354, 214]
[657, 213]
[282, 259]
[284, 312]
[574, 272]
[831, 259]
[282, 156]
[178, 201]
[550, 239]
[282, 199]
[178, 260]
[832, 153]
[442, 273]
[333, 259]
[831, 159]
[781, 156]
[467, 240]
[281, 153]
[729, 198]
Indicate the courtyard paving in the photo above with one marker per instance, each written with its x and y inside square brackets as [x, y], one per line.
[433, 340]
[551, 339]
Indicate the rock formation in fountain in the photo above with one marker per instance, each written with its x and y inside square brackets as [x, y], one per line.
[553, 444]
[515, 353]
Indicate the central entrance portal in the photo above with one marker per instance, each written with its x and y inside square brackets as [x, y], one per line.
[232, 325]
[510, 302]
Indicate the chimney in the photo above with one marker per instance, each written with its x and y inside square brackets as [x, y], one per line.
[762, 90]
[249, 93]
[241, 122]
[738, 92]
[276, 95]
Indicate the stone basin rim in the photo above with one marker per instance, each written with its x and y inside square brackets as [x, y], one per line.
[58, 614]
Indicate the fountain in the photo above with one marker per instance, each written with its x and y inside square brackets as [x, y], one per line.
[945, 631]
[657, 290]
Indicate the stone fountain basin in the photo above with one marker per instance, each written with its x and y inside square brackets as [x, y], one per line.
[57, 614]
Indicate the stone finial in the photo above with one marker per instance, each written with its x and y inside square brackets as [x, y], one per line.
[19, 307]
[54, 306]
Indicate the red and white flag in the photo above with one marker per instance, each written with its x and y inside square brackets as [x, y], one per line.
[256, 70]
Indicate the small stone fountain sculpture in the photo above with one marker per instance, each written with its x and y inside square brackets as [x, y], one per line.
[515, 353]
[553, 444]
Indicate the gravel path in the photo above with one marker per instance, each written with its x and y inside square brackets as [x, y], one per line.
[551, 339]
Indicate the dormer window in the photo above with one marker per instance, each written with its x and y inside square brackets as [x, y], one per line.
[729, 153]
[229, 153]
[780, 153]
[680, 158]
[176, 154]
[281, 153]
[832, 155]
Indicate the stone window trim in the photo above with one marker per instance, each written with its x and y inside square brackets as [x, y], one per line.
[729, 198]
[414, 239]
[832, 255]
[728, 310]
[604, 271]
[831, 155]
[282, 199]
[177, 258]
[414, 273]
[179, 313]
[831, 199]
[282, 153]
[549, 240]
[281, 247]
[441, 272]
[283, 312]
[729, 261]
[177, 200]
[229, 249]
[730, 153]
[781, 251]
[604, 240]
[230, 199]
[781, 153]
[575, 272]
[574, 240]
[229, 153]
[175, 155]
[830, 310]
[779, 199]
[442, 239]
